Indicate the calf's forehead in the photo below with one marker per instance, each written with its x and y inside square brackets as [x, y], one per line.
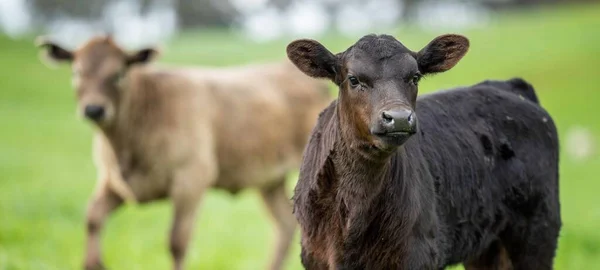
[98, 56]
[397, 65]
[381, 56]
[380, 45]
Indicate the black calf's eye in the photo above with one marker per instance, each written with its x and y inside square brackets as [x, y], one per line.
[353, 81]
[416, 79]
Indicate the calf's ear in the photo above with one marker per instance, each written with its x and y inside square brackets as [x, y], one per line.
[142, 56]
[442, 53]
[53, 51]
[312, 58]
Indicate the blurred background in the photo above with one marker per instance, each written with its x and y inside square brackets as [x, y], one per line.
[46, 170]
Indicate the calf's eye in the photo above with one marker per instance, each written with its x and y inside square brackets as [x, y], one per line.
[415, 79]
[117, 77]
[353, 81]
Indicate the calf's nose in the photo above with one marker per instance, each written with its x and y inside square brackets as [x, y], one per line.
[94, 112]
[399, 121]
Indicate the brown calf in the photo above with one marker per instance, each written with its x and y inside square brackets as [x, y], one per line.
[177, 132]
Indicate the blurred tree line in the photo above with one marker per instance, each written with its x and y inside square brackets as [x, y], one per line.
[190, 12]
[193, 13]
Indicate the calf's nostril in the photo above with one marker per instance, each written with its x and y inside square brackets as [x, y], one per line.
[387, 118]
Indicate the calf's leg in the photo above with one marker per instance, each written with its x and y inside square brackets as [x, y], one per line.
[101, 205]
[533, 245]
[280, 208]
[310, 262]
[494, 257]
[181, 229]
[188, 188]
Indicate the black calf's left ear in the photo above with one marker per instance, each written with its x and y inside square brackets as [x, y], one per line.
[142, 56]
[442, 53]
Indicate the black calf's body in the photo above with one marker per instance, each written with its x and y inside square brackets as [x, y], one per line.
[496, 174]
[477, 184]
[469, 175]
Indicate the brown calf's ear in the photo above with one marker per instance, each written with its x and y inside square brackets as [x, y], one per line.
[54, 52]
[442, 53]
[142, 56]
[312, 58]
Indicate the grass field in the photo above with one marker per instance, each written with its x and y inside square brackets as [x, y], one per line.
[46, 171]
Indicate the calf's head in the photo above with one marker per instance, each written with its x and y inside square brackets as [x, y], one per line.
[378, 81]
[99, 74]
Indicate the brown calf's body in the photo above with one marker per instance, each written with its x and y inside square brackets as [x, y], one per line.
[175, 132]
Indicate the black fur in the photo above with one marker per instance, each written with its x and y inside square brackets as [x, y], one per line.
[477, 184]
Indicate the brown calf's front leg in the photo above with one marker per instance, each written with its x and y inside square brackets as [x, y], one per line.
[101, 205]
[181, 229]
[279, 206]
[188, 188]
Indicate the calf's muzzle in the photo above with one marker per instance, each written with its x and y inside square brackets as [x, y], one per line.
[394, 127]
[396, 122]
[94, 112]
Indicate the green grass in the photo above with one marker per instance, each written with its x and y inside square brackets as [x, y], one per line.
[46, 171]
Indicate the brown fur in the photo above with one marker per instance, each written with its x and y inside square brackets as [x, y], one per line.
[175, 132]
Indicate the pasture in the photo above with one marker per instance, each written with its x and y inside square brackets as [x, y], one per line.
[47, 175]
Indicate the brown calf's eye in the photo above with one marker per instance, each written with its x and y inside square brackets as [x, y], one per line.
[353, 81]
[116, 78]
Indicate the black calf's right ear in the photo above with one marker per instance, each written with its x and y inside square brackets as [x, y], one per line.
[53, 51]
[312, 58]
